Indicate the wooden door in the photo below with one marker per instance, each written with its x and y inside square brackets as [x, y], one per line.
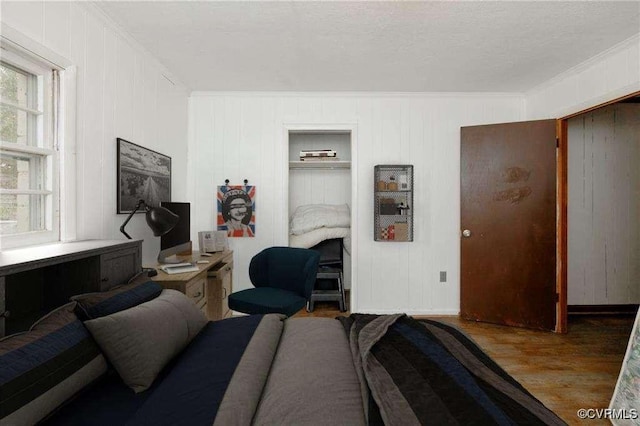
[508, 224]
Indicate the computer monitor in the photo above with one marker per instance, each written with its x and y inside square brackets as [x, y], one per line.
[178, 240]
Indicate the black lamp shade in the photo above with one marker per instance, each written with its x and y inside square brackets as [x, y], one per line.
[161, 220]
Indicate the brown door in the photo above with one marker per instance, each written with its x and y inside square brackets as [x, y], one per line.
[508, 224]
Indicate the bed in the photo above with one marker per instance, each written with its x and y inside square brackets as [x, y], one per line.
[169, 366]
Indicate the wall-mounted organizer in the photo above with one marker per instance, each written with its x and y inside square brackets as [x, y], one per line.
[393, 203]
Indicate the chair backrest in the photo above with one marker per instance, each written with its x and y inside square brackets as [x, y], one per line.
[286, 268]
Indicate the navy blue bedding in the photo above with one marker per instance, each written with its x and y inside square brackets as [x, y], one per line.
[106, 402]
[192, 393]
[189, 390]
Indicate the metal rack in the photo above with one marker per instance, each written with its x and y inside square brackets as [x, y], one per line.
[393, 203]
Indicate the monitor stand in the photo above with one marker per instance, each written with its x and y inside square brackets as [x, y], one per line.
[169, 260]
[170, 255]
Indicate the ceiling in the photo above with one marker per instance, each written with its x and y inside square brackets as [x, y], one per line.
[449, 46]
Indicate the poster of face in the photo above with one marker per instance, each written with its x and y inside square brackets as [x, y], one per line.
[237, 210]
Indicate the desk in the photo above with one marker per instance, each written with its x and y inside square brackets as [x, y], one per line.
[209, 287]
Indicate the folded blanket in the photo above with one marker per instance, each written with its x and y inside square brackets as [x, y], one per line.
[311, 238]
[427, 372]
[313, 216]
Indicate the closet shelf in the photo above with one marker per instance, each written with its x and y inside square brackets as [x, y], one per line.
[329, 165]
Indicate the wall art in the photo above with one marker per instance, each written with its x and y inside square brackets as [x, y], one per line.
[143, 174]
[237, 210]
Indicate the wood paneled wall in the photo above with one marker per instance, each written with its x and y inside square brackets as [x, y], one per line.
[604, 207]
[242, 135]
[122, 91]
[319, 187]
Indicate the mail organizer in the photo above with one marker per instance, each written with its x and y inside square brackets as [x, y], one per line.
[393, 203]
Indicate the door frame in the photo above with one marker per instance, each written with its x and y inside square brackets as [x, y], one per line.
[562, 126]
[343, 127]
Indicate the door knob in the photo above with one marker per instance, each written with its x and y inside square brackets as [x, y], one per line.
[466, 233]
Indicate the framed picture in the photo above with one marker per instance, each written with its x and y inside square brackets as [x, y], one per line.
[237, 210]
[143, 174]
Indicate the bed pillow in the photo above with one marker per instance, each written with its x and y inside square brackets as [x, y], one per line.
[43, 367]
[138, 290]
[141, 340]
[313, 216]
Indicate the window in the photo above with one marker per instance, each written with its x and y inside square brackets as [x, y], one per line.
[29, 201]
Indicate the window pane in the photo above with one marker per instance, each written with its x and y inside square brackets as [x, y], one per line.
[21, 171]
[15, 86]
[21, 213]
[18, 126]
[27, 112]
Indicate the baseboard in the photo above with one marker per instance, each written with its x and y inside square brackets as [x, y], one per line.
[630, 309]
[411, 312]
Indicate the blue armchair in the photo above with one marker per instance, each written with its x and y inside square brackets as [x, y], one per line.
[284, 278]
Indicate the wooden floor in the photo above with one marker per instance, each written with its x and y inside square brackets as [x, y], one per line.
[564, 371]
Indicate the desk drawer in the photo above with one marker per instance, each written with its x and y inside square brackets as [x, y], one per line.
[220, 279]
[221, 269]
[226, 291]
[196, 289]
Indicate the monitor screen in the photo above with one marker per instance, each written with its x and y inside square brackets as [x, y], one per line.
[178, 239]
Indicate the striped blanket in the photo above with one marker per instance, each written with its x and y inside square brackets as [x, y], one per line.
[419, 372]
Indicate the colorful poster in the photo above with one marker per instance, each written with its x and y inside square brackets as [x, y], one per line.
[237, 210]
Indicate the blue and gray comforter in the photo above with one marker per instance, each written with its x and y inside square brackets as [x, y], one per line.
[424, 372]
[266, 370]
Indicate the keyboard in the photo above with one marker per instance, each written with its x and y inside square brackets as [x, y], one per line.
[179, 268]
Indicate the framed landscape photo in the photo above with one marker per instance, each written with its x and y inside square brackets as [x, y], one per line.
[143, 174]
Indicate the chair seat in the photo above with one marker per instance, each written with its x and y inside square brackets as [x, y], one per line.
[266, 300]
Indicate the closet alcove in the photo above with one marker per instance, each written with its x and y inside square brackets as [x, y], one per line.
[322, 182]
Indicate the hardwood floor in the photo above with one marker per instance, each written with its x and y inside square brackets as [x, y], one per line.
[564, 371]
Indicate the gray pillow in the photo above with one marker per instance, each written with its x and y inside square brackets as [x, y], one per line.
[141, 340]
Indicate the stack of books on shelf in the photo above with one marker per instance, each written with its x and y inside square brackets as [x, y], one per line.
[318, 155]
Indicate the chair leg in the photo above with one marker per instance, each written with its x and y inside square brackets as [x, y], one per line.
[343, 303]
[310, 304]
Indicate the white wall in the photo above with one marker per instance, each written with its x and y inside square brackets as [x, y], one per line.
[241, 135]
[121, 92]
[607, 76]
[603, 206]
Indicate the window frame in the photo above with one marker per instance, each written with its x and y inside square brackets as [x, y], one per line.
[47, 149]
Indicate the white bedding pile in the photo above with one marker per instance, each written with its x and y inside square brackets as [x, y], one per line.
[315, 216]
[314, 223]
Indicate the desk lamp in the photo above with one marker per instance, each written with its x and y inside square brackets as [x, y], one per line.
[159, 219]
